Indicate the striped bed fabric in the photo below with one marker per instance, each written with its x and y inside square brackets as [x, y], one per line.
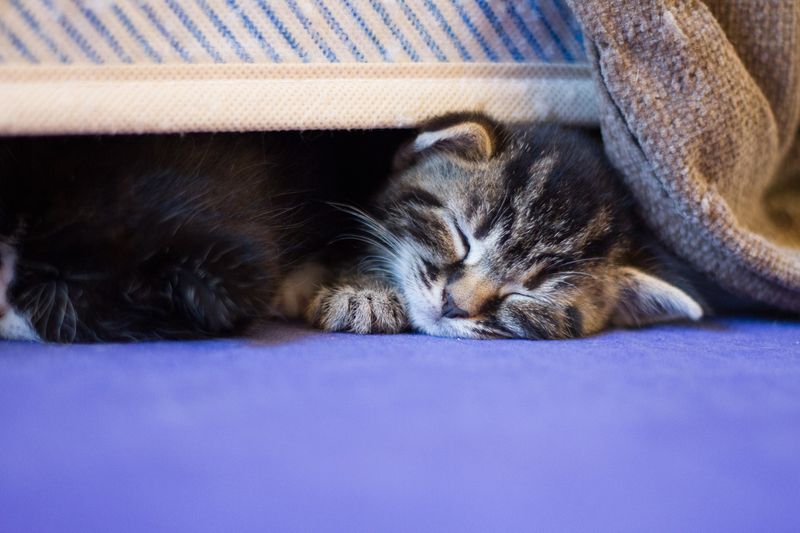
[180, 65]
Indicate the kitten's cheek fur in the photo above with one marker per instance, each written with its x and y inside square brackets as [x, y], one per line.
[16, 327]
[423, 313]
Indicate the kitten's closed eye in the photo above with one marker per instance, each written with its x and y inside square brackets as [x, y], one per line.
[464, 243]
[511, 292]
[550, 265]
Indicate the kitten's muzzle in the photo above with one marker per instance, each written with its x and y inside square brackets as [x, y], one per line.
[450, 309]
[467, 295]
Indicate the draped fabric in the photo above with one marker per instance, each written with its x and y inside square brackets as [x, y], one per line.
[699, 104]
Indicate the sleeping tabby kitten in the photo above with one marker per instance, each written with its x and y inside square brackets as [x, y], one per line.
[149, 237]
[488, 231]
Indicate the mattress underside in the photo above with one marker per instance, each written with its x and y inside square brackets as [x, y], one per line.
[222, 65]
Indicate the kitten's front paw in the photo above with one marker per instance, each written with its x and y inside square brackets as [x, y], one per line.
[370, 309]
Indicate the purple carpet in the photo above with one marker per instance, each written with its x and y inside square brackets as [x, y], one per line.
[676, 428]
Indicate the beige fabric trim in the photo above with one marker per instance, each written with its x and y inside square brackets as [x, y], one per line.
[235, 97]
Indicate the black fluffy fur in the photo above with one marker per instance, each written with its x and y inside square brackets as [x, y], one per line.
[132, 238]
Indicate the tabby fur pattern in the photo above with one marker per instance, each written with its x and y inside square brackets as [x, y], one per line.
[491, 231]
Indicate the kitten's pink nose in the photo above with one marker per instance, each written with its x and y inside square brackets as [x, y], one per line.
[450, 309]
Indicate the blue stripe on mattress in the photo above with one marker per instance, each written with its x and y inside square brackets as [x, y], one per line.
[137, 36]
[17, 43]
[196, 32]
[500, 30]
[225, 32]
[574, 29]
[101, 29]
[288, 37]
[367, 30]
[315, 36]
[254, 30]
[476, 33]
[56, 13]
[420, 28]
[533, 42]
[392, 27]
[337, 28]
[448, 30]
[553, 34]
[155, 21]
[34, 25]
[274, 31]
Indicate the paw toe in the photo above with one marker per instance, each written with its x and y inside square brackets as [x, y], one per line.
[357, 310]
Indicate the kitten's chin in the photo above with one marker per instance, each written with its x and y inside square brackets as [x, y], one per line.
[444, 327]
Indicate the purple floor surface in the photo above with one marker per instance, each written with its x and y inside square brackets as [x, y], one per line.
[676, 428]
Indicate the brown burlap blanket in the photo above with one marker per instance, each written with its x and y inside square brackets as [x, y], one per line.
[699, 104]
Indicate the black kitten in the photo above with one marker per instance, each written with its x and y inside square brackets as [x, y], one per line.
[126, 238]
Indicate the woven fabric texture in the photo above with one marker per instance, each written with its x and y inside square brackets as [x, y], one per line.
[699, 105]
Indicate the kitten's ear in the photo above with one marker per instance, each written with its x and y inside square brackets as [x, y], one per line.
[472, 139]
[644, 299]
